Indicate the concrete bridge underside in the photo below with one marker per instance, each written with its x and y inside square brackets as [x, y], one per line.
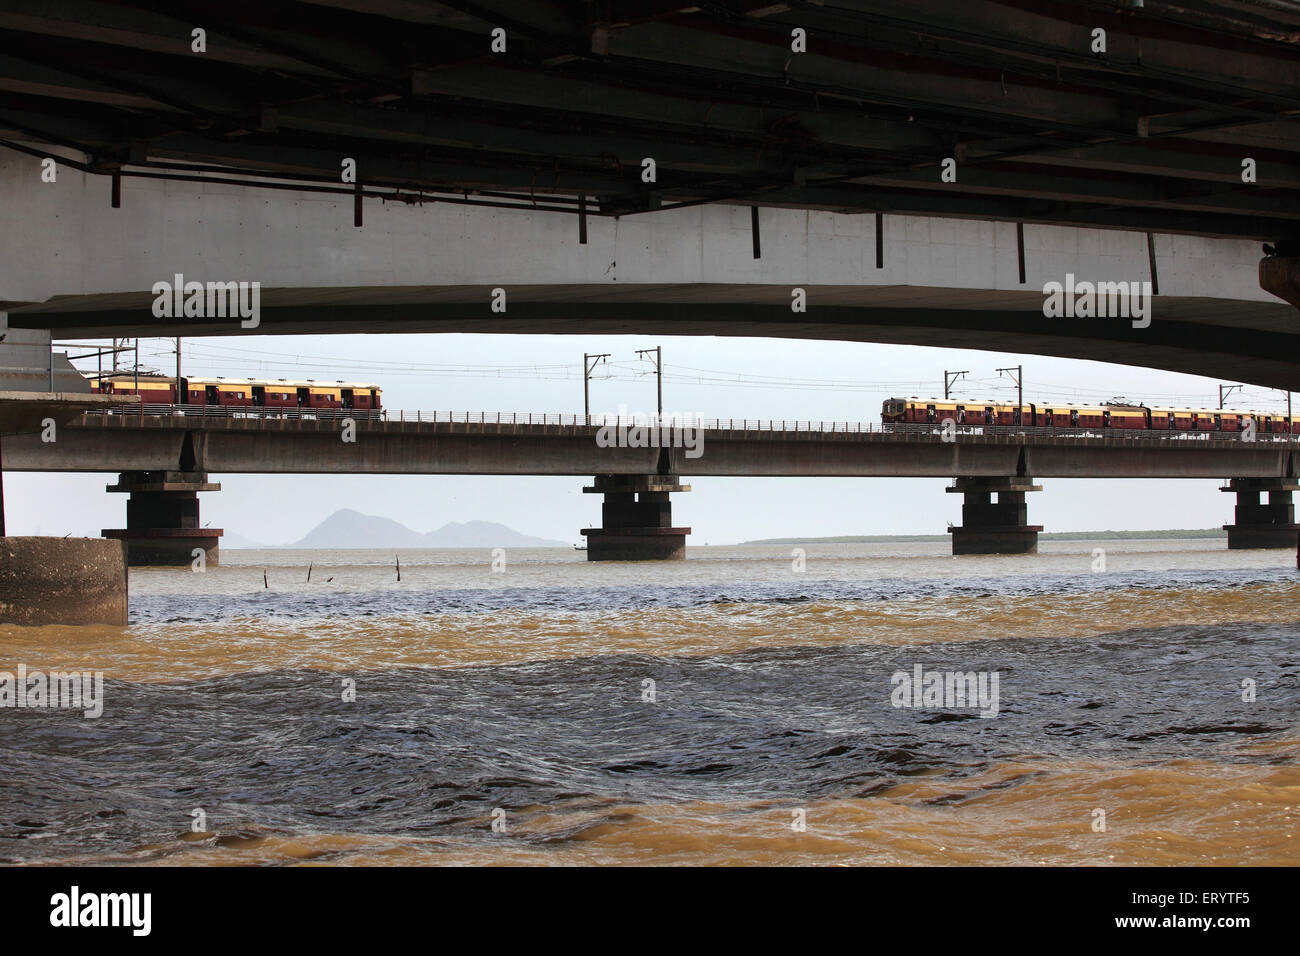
[1254, 342]
[88, 269]
[1146, 130]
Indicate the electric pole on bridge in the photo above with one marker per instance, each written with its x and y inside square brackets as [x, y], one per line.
[178, 371]
[949, 378]
[1288, 432]
[659, 372]
[587, 366]
[1226, 390]
[1019, 376]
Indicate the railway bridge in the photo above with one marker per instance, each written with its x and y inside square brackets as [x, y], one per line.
[165, 455]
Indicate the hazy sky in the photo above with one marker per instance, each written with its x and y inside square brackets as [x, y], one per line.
[714, 377]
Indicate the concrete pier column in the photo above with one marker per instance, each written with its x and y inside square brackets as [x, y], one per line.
[1263, 524]
[1280, 273]
[162, 518]
[636, 519]
[53, 580]
[62, 581]
[994, 527]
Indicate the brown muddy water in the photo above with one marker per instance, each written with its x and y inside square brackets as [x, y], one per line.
[687, 713]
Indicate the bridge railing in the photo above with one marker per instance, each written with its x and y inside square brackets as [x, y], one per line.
[795, 426]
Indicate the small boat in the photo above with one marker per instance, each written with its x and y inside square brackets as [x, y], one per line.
[579, 547]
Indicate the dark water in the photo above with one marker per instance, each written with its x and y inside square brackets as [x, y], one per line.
[1148, 721]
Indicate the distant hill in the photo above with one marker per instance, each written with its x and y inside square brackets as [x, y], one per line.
[230, 541]
[1043, 536]
[485, 534]
[352, 529]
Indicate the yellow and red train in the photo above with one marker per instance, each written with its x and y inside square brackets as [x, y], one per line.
[1111, 415]
[243, 392]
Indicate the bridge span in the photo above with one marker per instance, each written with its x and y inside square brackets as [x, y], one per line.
[702, 270]
[164, 458]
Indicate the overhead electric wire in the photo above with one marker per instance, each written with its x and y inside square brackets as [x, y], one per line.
[237, 361]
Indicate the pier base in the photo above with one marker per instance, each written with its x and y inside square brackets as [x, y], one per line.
[636, 519]
[994, 527]
[1263, 525]
[162, 518]
[62, 581]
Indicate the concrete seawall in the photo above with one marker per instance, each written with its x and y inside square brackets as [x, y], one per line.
[62, 581]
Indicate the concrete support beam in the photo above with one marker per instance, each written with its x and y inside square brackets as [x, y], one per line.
[1259, 524]
[162, 518]
[994, 527]
[636, 519]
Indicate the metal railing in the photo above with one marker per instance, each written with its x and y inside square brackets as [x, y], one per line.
[785, 426]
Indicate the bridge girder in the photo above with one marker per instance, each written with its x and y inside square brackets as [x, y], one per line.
[1149, 135]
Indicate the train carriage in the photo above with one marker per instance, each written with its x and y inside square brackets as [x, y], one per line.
[245, 393]
[1110, 416]
[152, 389]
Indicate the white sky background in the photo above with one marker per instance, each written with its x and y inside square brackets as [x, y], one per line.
[280, 509]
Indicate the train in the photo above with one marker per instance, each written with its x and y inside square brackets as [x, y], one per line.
[309, 394]
[243, 392]
[1109, 415]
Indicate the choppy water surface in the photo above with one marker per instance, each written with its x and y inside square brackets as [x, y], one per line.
[525, 696]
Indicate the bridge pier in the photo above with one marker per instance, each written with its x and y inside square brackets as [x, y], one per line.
[1280, 273]
[62, 581]
[1263, 525]
[994, 527]
[636, 519]
[162, 518]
